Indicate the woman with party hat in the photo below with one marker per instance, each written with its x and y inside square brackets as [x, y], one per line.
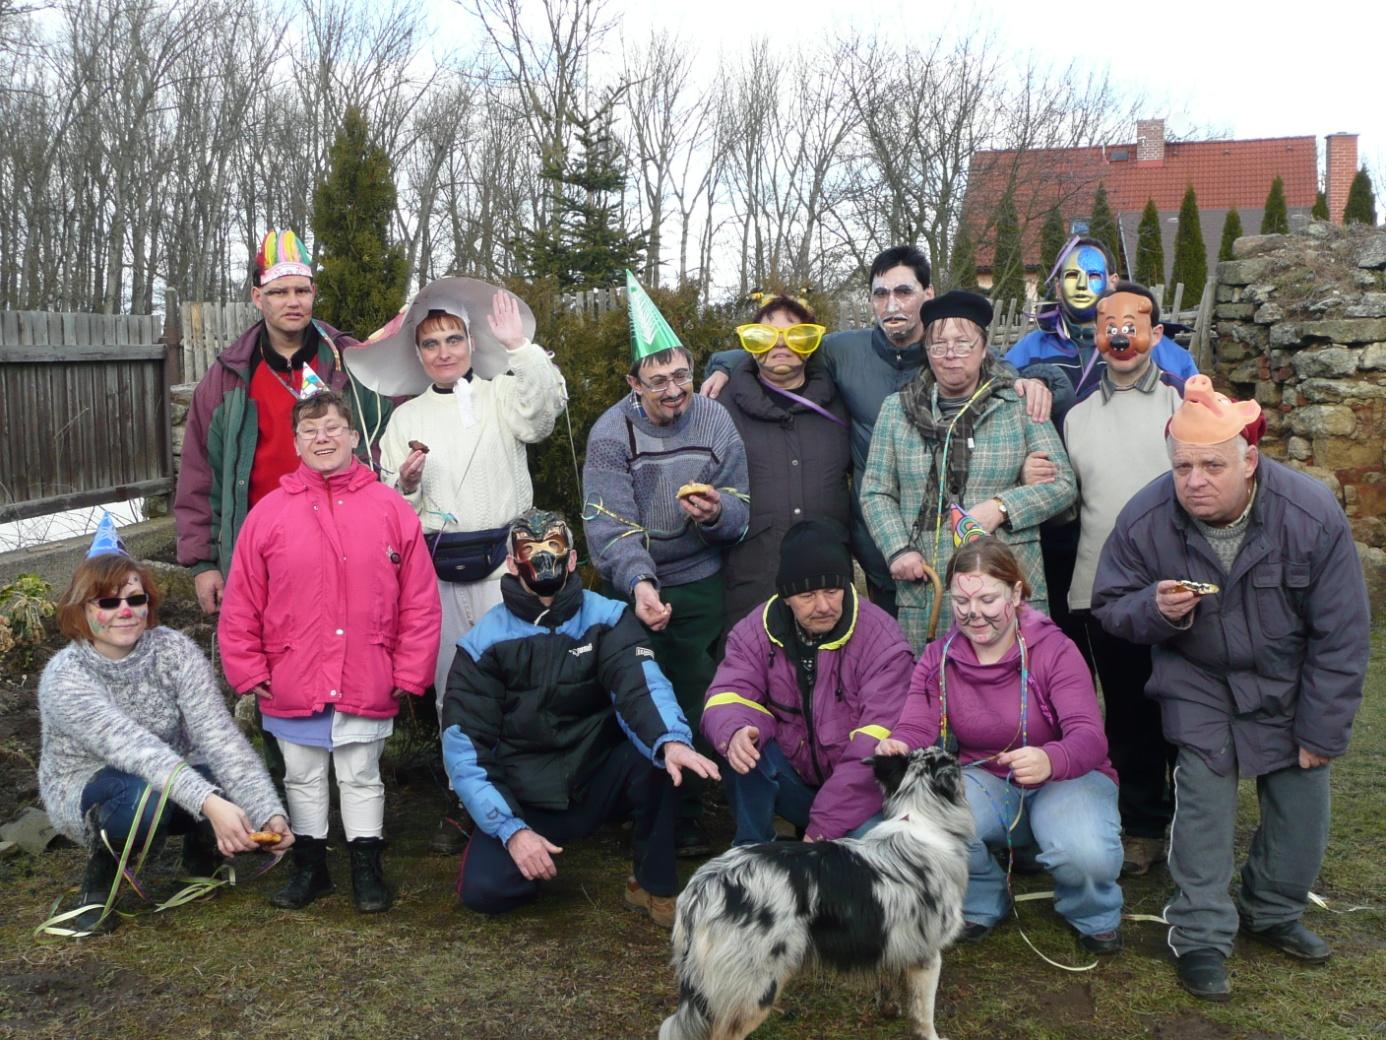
[481, 391]
[137, 741]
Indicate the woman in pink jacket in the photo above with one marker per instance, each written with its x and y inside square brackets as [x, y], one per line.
[330, 617]
[1010, 694]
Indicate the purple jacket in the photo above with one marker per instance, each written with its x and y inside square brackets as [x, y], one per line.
[860, 684]
[984, 702]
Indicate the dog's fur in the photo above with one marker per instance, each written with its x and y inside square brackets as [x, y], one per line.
[891, 901]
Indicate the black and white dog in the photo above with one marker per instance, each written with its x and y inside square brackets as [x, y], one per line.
[891, 901]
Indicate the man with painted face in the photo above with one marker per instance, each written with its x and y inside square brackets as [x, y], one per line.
[867, 366]
[665, 491]
[556, 720]
[1065, 341]
[1116, 444]
[1242, 576]
[795, 429]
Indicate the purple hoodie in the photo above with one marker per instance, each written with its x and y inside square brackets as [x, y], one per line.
[858, 692]
[984, 702]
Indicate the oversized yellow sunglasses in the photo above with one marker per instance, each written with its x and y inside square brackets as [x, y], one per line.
[758, 338]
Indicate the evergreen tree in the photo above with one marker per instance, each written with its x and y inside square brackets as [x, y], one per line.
[1231, 231]
[962, 262]
[1320, 210]
[361, 276]
[1008, 262]
[1103, 227]
[1190, 256]
[1361, 200]
[586, 243]
[1276, 218]
[1053, 237]
[1150, 251]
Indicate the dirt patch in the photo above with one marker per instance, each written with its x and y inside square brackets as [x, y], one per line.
[73, 997]
[1192, 1026]
[1067, 1005]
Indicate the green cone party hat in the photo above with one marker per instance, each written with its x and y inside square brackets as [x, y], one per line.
[650, 333]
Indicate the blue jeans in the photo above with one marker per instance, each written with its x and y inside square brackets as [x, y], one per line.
[773, 786]
[1077, 827]
[115, 796]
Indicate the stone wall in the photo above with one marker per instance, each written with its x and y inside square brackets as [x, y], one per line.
[1300, 323]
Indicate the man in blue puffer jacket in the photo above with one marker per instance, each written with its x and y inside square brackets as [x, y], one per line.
[556, 720]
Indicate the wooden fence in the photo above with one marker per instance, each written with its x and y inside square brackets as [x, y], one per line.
[206, 329]
[85, 411]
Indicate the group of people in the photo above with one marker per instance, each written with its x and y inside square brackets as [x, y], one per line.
[1087, 506]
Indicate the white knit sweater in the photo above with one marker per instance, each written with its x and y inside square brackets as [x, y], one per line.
[477, 474]
[157, 707]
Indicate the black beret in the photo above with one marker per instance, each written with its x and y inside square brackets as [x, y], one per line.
[957, 304]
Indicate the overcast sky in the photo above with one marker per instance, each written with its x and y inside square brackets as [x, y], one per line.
[1269, 69]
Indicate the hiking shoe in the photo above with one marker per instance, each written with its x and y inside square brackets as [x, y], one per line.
[1292, 938]
[1138, 855]
[96, 889]
[451, 836]
[368, 888]
[310, 878]
[1203, 972]
[660, 908]
[1102, 943]
[973, 932]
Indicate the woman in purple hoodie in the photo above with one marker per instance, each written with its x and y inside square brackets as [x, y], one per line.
[1035, 765]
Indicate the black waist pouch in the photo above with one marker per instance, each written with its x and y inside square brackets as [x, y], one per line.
[469, 555]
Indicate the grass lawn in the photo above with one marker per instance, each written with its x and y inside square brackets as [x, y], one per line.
[578, 965]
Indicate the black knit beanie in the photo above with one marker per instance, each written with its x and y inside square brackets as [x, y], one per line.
[813, 556]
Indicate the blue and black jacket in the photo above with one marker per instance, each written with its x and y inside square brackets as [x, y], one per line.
[538, 697]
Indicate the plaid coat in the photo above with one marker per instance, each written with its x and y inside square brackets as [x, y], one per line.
[897, 473]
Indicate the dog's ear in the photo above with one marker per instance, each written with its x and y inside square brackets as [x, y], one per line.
[890, 771]
[946, 774]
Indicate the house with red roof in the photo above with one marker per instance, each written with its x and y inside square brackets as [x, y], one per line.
[1225, 175]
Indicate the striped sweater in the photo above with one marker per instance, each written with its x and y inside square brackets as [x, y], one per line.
[634, 524]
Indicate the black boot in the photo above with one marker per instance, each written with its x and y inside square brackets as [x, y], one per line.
[201, 857]
[368, 886]
[96, 889]
[310, 878]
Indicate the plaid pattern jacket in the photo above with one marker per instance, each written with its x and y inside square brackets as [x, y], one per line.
[897, 474]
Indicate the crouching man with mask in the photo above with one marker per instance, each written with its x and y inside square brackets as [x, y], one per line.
[556, 720]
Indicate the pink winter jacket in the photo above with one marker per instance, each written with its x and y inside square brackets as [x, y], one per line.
[332, 598]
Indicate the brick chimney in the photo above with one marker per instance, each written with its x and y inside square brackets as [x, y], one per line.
[1150, 140]
[1340, 166]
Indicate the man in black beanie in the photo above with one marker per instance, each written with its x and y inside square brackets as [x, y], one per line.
[810, 682]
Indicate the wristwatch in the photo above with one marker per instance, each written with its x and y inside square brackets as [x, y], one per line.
[1005, 513]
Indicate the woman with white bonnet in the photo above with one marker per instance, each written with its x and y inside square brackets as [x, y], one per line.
[481, 390]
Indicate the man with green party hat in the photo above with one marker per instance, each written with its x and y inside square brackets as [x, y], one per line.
[239, 439]
[664, 489]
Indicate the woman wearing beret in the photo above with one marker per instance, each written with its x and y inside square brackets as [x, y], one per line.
[948, 457]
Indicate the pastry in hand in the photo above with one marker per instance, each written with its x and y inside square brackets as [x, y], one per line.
[694, 489]
[1202, 588]
[418, 446]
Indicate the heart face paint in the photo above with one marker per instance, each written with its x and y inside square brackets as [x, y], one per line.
[114, 633]
[984, 607]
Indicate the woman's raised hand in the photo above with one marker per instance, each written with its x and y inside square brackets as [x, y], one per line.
[505, 321]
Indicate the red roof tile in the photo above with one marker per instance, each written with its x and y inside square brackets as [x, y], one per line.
[1225, 174]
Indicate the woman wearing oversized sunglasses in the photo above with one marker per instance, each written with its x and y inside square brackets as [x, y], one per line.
[131, 709]
[794, 425]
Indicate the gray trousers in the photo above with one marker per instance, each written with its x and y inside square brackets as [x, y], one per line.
[1284, 859]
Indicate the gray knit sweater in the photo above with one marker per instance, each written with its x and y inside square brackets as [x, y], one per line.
[143, 715]
[634, 524]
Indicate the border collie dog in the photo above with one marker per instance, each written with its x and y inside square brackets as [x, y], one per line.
[891, 901]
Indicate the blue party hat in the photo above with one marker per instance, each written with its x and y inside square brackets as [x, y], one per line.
[107, 539]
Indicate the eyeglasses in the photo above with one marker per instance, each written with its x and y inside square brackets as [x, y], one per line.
[759, 338]
[957, 348]
[657, 385]
[139, 599]
[310, 433]
[455, 342]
